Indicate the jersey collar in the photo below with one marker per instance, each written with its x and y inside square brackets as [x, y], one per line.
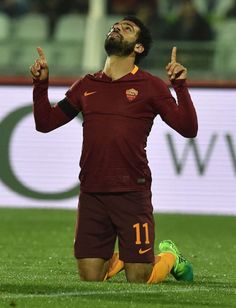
[134, 70]
[104, 77]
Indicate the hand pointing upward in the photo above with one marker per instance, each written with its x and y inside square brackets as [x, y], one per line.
[174, 69]
[39, 70]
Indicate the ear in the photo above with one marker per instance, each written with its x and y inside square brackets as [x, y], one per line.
[138, 48]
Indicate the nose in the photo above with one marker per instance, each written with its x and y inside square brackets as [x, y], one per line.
[117, 27]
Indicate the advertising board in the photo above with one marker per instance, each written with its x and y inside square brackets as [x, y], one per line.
[189, 175]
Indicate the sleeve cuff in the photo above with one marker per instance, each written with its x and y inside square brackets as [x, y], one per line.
[40, 83]
[179, 83]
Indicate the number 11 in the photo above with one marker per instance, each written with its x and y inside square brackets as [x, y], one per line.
[138, 234]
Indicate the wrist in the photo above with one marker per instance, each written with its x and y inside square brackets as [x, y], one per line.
[40, 82]
[179, 83]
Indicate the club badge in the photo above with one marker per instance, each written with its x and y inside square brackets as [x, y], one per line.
[131, 94]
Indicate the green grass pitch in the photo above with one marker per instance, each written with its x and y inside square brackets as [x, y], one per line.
[37, 268]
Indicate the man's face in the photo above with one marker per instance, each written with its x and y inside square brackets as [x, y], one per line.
[122, 38]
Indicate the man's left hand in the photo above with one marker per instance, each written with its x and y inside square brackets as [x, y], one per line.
[174, 69]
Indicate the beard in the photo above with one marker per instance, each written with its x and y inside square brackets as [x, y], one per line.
[116, 46]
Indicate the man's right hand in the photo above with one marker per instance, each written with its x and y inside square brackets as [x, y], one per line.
[39, 70]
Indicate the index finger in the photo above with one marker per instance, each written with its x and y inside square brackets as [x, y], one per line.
[173, 54]
[41, 53]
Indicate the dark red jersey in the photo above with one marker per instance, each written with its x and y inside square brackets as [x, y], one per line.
[117, 119]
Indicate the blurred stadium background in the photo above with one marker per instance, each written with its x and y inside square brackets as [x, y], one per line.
[72, 34]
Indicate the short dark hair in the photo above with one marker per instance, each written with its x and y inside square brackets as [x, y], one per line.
[144, 38]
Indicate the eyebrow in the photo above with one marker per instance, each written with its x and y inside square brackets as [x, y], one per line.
[124, 23]
[127, 23]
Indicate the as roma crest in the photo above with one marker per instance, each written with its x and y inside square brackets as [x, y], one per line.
[131, 94]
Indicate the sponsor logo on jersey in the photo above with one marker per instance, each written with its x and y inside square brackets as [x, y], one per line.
[87, 93]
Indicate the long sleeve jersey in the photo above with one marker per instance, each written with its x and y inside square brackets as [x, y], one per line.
[117, 119]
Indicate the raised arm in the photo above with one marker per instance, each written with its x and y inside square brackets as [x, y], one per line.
[47, 117]
[181, 117]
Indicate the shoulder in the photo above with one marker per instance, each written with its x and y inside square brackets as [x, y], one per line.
[79, 84]
[76, 84]
[155, 83]
[152, 78]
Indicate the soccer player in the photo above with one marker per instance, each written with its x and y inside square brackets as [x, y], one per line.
[119, 104]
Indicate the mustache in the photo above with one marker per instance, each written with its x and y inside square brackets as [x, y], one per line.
[113, 30]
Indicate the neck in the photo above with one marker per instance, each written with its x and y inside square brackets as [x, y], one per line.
[117, 67]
